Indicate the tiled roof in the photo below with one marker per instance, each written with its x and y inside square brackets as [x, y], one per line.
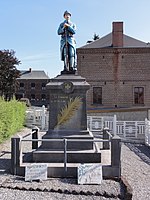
[106, 41]
[34, 74]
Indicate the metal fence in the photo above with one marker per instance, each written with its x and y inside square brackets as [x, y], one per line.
[124, 129]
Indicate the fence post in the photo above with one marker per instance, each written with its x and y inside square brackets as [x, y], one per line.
[15, 154]
[124, 127]
[106, 137]
[148, 114]
[65, 155]
[34, 115]
[115, 125]
[35, 136]
[116, 154]
[146, 131]
[43, 117]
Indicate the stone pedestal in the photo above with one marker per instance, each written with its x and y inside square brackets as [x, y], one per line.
[67, 128]
[67, 116]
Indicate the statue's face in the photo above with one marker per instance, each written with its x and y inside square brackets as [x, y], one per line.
[67, 17]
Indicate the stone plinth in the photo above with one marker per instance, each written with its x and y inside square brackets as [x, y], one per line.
[67, 90]
[67, 116]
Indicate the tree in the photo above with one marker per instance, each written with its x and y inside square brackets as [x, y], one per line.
[8, 73]
[95, 37]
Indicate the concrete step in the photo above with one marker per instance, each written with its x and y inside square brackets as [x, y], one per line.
[58, 169]
[84, 156]
[75, 142]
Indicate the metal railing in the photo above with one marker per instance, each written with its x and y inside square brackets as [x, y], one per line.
[16, 148]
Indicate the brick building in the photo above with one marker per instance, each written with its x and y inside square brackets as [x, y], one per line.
[118, 69]
[32, 85]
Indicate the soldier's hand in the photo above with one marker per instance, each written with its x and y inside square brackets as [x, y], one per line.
[66, 25]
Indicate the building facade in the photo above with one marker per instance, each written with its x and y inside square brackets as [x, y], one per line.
[118, 69]
[32, 85]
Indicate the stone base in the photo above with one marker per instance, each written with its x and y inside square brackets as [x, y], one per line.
[75, 140]
[78, 151]
[67, 127]
[43, 156]
[55, 160]
[68, 72]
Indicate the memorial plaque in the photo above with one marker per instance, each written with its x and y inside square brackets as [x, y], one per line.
[36, 172]
[89, 174]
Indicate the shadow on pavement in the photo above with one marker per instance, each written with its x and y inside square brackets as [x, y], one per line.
[140, 150]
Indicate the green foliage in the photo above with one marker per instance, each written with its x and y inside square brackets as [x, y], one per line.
[95, 37]
[8, 73]
[12, 117]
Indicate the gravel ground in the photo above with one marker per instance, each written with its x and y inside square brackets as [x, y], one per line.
[135, 169]
[8, 194]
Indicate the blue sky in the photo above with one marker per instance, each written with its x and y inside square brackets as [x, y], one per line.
[29, 27]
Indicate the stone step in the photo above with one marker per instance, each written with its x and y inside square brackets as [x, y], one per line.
[82, 140]
[56, 170]
[85, 156]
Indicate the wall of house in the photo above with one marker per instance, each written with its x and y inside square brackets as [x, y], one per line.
[117, 71]
[27, 91]
[122, 114]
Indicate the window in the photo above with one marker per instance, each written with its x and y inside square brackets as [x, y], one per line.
[21, 85]
[32, 97]
[43, 97]
[97, 95]
[43, 86]
[32, 85]
[139, 95]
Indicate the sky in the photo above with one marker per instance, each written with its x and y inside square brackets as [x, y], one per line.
[29, 27]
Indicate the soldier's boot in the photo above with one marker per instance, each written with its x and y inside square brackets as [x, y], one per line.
[71, 64]
[66, 65]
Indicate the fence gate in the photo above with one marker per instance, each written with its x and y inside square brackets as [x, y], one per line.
[97, 123]
[38, 116]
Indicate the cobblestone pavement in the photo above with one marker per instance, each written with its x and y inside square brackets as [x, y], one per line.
[135, 169]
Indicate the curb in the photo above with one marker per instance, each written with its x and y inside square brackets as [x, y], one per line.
[61, 191]
[128, 189]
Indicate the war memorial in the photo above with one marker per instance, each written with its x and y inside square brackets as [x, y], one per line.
[67, 160]
[67, 116]
[68, 147]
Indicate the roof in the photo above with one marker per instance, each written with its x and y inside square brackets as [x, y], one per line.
[33, 74]
[106, 41]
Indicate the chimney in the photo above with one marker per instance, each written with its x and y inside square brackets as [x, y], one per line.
[117, 34]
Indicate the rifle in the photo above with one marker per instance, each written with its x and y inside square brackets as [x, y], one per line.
[67, 56]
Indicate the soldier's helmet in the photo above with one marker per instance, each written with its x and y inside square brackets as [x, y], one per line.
[67, 13]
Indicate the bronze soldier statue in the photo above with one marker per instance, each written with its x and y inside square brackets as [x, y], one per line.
[67, 29]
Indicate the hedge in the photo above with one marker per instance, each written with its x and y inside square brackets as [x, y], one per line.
[12, 117]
